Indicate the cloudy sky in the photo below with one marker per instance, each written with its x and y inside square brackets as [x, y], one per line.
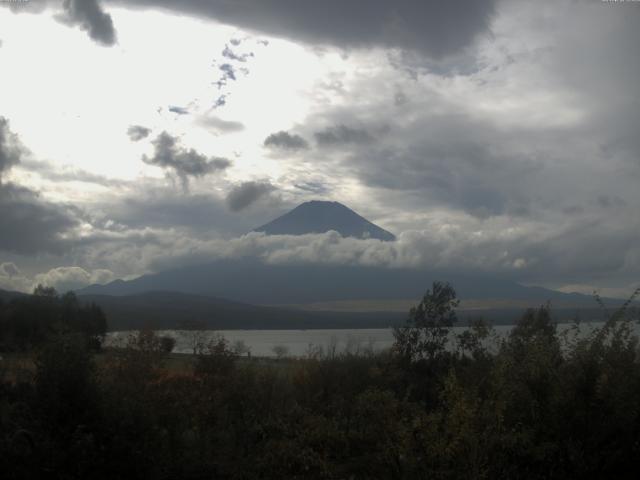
[489, 136]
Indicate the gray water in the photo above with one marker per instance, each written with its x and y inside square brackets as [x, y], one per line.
[301, 343]
[297, 343]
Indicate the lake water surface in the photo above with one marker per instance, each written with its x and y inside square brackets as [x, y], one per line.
[300, 343]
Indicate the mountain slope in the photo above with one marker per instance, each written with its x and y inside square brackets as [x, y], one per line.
[250, 281]
[8, 295]
[320, 217]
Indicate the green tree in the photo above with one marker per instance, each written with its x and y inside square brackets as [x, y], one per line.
[215, 360]
[167, 344]
[426, 332]
[280, 351]
[46, 292]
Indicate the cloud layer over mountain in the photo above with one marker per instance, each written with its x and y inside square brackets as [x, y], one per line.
[491, 136]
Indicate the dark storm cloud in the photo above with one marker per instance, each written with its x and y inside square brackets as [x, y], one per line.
[440, 157]
[199, 214]
[133, 231]
[532, 172]
[10, 148]
[247, 193]
[579, 152]
[138, 132]
[89, 16]
[466, 175]
[286, 141]
[29, 224]
[162, 207]
[184, 162]
[592, 249]
[342, 134]
[433, 27]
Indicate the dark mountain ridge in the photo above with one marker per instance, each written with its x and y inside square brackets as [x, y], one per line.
[251, 281]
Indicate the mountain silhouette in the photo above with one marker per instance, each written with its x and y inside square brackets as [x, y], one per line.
[320, 217]
[249, 280]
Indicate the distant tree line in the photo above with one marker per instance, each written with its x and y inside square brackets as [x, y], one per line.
[28, 321]
[537, 403]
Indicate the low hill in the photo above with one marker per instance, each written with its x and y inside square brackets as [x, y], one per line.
[8, 295]
[174, 310]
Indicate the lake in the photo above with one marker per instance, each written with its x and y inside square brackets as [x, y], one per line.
[299, 343]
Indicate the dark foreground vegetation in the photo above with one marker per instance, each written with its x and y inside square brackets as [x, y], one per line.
[537, 404]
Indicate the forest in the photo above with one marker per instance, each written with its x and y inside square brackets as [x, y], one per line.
[539, 403]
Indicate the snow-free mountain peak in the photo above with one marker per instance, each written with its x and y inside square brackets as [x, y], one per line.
[322, 216]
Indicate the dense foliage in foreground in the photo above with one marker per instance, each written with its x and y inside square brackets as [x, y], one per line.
[540, 404]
